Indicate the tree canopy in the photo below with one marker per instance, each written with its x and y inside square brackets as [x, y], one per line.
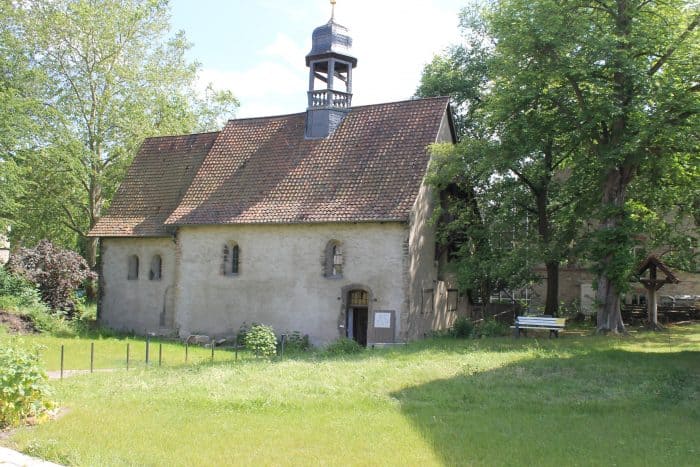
[98, 77]
[593, 103]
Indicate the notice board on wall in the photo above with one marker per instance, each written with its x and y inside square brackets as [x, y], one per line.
[384, 325]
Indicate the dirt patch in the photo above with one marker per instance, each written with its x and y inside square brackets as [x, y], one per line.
[55, 414]
[17, 324]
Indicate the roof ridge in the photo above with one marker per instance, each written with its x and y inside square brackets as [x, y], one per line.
[265, 117]
[184, 135]
[415, 99]
[270, 117]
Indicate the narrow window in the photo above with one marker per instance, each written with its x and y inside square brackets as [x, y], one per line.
[133, 272]
[229, 265]
[333, 260]
[156, 265]
[234, 259]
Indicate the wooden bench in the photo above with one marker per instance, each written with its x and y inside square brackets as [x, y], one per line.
[554, 325]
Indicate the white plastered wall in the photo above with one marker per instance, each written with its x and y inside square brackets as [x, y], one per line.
[280, 280]
[140, 305]
[427, 295]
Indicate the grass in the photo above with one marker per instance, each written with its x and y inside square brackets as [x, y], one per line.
[578, 400]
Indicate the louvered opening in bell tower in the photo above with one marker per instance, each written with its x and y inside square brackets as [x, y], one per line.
[330, 78]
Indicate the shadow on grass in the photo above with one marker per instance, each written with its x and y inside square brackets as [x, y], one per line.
[609, 407]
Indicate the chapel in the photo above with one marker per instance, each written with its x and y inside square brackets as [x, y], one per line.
[317, 222]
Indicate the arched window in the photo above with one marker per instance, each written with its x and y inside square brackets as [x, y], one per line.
[156, 265]
[133, 272]
[231, 259]
[333, 260]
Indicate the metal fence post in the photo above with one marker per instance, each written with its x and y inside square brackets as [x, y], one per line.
[160, 353]
[187, 348]
[92, 356]
[61, 361]
[127, 356]
[283, 340]
[148, 346]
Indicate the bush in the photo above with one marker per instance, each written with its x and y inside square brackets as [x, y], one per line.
[297, 343]
[343, 346]
[492, 328]
[462, 328]
[24, 388]
[261, 340]
[56, 272]
[15, 286]
[242, 331]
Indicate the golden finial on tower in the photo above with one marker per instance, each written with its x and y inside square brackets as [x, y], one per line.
[332, 10]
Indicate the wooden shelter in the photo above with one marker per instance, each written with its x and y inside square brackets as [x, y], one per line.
[652, 282]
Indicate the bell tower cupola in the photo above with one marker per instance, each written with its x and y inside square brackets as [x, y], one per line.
[330, 78]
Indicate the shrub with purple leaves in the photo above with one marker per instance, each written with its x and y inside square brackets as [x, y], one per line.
[56, 272]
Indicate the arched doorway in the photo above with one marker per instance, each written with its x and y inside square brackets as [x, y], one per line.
[357, 315]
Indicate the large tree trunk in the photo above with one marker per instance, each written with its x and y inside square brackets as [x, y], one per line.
[608, 293]
[608, 299]
[617, 179]
[544, 228]
[551, 306]
[92, 243]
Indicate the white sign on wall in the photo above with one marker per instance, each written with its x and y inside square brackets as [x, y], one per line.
[382, 319]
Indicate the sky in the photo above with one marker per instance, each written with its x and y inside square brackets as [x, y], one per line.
[256, 48]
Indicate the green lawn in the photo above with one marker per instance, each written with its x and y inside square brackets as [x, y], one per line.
[578, 400]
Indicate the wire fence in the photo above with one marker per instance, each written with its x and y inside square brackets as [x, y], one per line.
[112, 355]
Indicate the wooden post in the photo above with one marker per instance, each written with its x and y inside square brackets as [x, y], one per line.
[652, 297]
[652, 285]
[187, 348]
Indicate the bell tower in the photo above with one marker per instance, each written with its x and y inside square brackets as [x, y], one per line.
[330, 78]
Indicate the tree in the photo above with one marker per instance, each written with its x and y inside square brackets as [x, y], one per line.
[515, 140]
[626, 66]
[479, 229]
[19, 107]
[618, 82]
[112, 78]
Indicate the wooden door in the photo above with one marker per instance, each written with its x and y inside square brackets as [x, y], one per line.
[359, 325]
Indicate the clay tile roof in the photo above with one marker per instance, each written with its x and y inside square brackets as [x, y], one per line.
[154, 185]
[263, 170]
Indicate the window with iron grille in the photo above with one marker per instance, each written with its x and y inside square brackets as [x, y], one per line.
[333, 260]
[359, 298]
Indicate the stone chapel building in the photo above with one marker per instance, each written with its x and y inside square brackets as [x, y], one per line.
[316, 222]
